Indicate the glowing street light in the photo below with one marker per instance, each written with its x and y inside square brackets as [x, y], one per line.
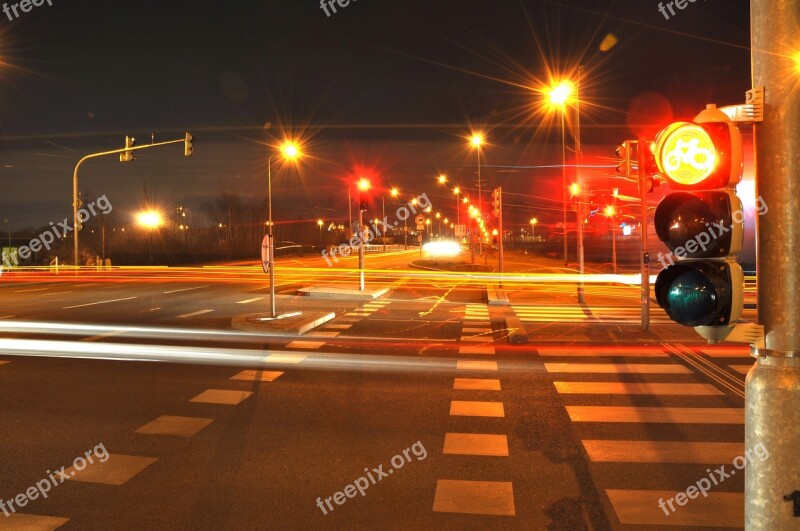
[149, 219]
[560, 93]
[533, 223]
[290, 151]
[442, 179]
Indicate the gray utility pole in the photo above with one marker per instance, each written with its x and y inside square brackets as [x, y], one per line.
[361, 240]
[772, 389]
[581, 195]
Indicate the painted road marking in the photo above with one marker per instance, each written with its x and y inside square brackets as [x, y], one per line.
[338, 326]
[253, 375]
[31, 290]
[617, 368]
[668, 415]
[477, 330]
[95, 303]
[477, 339]
[475, 444]
[476, 365]
[306, 344]
[116, 470]
[7, 317]
[248, 301]
[636, 388]
[222, 397]
[474, 497]
[322, 333]
[184, 289]
[179, 426]
[57, 293]
[662, 452]
[285, 357]
[640, 507]
[476, 350]
[465, 408]
[32, 522]
[194, 314]
[477, 384]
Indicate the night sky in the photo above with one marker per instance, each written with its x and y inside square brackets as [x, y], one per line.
[386, 89]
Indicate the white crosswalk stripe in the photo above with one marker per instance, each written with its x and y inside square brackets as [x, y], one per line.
[593, 314]
[620, 388]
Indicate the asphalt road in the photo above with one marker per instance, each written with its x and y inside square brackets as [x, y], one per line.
[550, 435]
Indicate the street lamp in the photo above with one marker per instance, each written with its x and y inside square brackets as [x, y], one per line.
[152, 221]
[476, 141]
[290, 152]
[442, 179]
[363, 187]
[533, 222]
[559, 95]
[320, 223]
[457, 191]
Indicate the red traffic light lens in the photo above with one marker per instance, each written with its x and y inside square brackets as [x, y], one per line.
[699, 156]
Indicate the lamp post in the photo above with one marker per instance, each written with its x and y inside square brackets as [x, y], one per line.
[614, 224]
[559, 94]
[320, 223]
[477, 141]
[457, 191]
[394, 192]
[289, 151]
[363, 186]
[533, 222]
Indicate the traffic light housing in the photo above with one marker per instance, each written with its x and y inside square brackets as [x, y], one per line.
[624, 152]
[188, 145]
[702, 224]
[128, 156]
[497, 202]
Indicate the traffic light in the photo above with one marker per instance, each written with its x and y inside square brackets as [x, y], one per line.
[363, 188]
[624, 152]
[188, 145]
[702, 224]
[497, 202]
[128, 156]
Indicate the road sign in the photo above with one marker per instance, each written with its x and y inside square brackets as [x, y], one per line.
[420, 226]
[461, 230]
[265, 258]
[420, 219]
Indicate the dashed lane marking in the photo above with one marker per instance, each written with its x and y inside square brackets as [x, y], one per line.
[305, 344]
[476, 350]
[285, 358]
[257, 375]
[32, 522]
[221, 396]
[184, 289]
[96, 303]
[468, 408]
[469, 365]
[474, 497]
[178, 426]
[194, 314]
[248, 301]
[475, 444]
[116, 470]
[476, 384]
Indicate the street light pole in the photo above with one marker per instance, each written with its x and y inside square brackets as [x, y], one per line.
[383, 210]
[579, 162]
[361, 247]
[271, 252]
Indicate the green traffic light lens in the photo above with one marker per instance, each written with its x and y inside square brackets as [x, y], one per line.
[691, 298]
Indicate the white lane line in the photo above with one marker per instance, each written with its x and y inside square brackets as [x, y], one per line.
[103, 336]
[248, 301]
[56, 293]
[30, 290]
[193, 314]
[184, 289]
[101, 302]
[84, 285]
[7, 317]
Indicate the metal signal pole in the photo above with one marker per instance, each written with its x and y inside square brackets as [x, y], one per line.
[772, 388]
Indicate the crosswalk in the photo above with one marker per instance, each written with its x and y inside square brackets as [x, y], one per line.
[587, 314]
[645, 408]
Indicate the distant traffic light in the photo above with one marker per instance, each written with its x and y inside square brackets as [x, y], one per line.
[497, 201]
[703, 226]
[188, 145]
[128, 156]
[624, 152]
